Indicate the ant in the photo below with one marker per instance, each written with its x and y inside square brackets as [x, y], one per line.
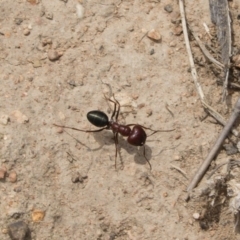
[136, 136]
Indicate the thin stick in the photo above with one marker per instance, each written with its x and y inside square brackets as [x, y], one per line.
[203, 168]
[209, 109]
[229, 124]
[210, 175]
[193, 69]
[221, 18]
[207, 54]
[167, 107]
[218, 117]
[207, 30]
[180, 170]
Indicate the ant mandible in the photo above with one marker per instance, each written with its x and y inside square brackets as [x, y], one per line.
[136, 136]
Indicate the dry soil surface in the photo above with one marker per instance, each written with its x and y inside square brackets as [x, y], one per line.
[57, 61]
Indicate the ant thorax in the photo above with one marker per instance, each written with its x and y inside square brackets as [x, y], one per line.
[118, 128]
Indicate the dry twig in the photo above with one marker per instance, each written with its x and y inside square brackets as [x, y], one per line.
[207, 54]
[209, 109]
[180, 170]
[219, 118]
[201, 171]
[220, 16]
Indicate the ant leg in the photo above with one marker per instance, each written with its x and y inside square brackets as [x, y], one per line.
[98, 130]
[154, 131]
[144, 154]
[119, 106]
[115, 105]
[116, 145]
[114, 111]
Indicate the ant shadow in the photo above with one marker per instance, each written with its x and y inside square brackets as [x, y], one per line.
[106, 138]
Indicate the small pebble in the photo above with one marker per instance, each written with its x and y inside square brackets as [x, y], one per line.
[236, 60]
[77, 177]
[53, 55]
[49, 16]
[141, 105]
[4, 230]
[178, 31]
[108, 11]
[16, 215]
[195, 125]
[1, 136]
[135, 96]
[17, 189]
[61, 116]
[19, 117]
[152, 51]
[12, 176]
[2, 173]
[190, 221]
[36, 63]
[197, 134]
[178, 136]
[165, 194]
[18, 230]
[34, 2]
[4, 119]
[60, 130]
[49, 41]
[168, 8]
[18, 21]
[172, 44]
[80, 10]
[131, 29]
[175, 18]
[196, 216]
[104, 226]
[230, 149]
[26, 32]
[149, 112]
[238, 146]
[30, 78]
[176, 158]
[46, 41]
[212, 233]
[153, 34]
[204, 225]
[38, 215]
[42, 12]
[99, 233]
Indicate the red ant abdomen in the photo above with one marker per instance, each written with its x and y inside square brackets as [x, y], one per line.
[137, 136]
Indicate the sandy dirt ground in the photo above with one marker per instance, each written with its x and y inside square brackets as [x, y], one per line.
[57, 60]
